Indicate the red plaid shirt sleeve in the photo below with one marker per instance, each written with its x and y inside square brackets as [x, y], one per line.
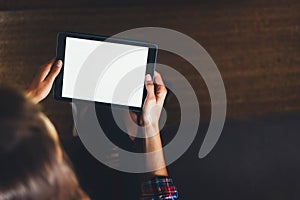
[159, 188]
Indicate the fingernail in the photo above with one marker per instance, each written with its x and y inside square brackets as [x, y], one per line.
[148, 77]
[59, 63]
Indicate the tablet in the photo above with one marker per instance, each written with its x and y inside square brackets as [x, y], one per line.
[102, 69]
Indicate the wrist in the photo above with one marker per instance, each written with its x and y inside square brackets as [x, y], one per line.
[152, 139]
[151, 130]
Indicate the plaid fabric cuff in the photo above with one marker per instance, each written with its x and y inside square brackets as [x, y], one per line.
[159, 188]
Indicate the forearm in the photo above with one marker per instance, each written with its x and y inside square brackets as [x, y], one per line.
[159, 186]
[156, 159]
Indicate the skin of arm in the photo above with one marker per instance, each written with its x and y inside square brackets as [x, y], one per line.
[154, 144]
[42, 84]
[149, 120]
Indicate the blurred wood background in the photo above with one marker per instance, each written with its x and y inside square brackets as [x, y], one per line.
[255, 44]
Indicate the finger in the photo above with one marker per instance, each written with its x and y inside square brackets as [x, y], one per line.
[45, 69]
[158, 79]
[54, 71]
[133, 116]
[141, 121]
[161, 94]
[161, 90]
[149, 86]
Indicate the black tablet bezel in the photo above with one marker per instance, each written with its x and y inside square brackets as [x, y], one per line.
[60, 54]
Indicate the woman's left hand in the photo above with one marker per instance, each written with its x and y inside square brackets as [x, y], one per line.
[43, 81]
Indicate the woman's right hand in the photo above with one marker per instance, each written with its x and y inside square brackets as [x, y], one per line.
[152, 106]
[153, 103]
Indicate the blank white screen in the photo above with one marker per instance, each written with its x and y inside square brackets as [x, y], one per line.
[104, 72]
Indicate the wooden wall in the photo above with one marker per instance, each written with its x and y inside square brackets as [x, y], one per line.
[255, 44]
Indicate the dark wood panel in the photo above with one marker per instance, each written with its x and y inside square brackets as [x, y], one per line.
[34, 4]
[254, 43]
[58, 4]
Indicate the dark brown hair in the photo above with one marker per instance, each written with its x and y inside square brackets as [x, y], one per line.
[30, 167]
